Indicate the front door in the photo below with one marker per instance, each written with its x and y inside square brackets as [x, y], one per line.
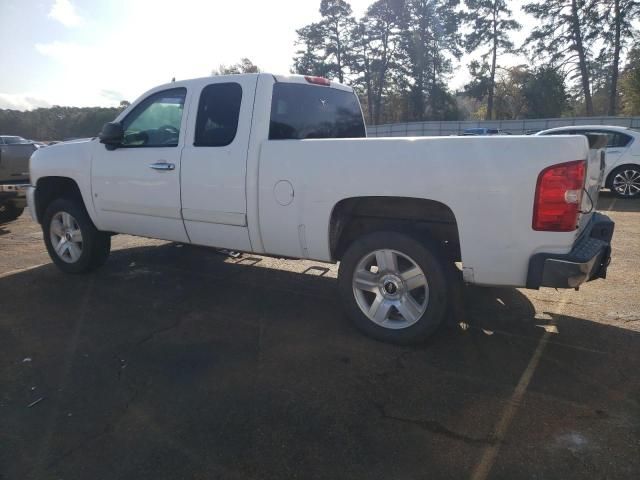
[136, 187]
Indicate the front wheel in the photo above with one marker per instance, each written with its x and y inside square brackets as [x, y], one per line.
[394, 287]
[625, 181]
[72, 240]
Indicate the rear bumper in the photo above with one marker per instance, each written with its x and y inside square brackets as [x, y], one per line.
[15, 193]
[588, 260]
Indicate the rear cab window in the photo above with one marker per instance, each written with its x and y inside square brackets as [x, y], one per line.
[301, 111]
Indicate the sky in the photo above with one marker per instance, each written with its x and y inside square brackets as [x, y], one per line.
[99, 52]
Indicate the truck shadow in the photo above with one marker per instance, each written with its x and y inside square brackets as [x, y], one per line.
[175, 359]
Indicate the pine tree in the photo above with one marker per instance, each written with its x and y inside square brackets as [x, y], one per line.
[309, 59]
[565, 34]
[492, 22]
[430, 40]
[618, 17]
[337, 25]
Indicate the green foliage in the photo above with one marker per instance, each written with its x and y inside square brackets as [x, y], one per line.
[565, 35]
[244, 66]
[630, 84]
[309, 59]
[328, 43]
[56, 123]
[618, 33]
[545, 93]
[431, 40]
[399, 56]
[492, 23]
[480, 83]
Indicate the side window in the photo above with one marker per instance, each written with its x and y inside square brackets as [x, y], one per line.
[218, 114]
[155, 122]
[618, 140]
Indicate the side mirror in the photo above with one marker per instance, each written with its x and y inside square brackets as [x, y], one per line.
[112, 135]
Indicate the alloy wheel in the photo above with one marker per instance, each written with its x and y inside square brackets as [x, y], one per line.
[391, 289]
[627, 182]
[66, 237]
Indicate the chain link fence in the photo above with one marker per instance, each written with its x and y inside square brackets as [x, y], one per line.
[516, 127]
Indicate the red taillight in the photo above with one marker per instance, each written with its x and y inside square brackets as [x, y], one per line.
[318, 81]
[558, 197]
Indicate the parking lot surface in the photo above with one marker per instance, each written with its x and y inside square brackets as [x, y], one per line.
[177, 362]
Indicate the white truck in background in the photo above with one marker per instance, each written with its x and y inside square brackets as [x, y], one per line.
[279, 165]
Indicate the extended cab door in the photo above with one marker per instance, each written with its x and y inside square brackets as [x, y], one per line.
[136, 187]
[214, 163]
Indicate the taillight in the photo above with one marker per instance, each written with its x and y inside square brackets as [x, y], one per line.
[558, 197]
[318, 81]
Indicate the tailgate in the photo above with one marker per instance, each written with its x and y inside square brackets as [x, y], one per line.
[14, 162]
[594, 178]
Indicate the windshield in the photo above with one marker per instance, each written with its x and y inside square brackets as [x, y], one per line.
[306, 111]
[14, 140]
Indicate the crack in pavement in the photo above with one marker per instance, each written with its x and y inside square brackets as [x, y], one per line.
[151, 335]
[436, 427]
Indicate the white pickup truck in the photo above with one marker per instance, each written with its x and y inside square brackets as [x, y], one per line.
[279, 165]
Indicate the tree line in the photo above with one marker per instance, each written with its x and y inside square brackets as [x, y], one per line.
[57, 123]
[401, 55]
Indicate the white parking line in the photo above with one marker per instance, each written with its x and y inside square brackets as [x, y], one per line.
[482, 470]
[20, 270]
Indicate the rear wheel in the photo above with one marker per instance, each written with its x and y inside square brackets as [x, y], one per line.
[625, 181]
[73, 242]
[393, 287]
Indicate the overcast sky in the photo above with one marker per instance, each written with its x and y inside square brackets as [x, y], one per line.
[98, 52]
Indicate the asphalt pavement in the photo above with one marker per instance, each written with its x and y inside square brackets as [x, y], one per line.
[178, 362]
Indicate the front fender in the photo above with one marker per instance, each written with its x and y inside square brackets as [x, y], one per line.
[70, 160]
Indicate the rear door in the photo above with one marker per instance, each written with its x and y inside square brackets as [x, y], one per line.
[214, 163]
[617, 144]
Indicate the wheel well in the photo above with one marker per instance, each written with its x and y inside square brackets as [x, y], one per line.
[428, 219]
[609, 180]
[49, 189]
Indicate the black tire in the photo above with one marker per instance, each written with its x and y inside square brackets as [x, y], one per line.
[9, 212]
[96, 245]
[424, 255]
[625, 170]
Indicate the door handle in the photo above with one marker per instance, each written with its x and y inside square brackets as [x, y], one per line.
[162, 166]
